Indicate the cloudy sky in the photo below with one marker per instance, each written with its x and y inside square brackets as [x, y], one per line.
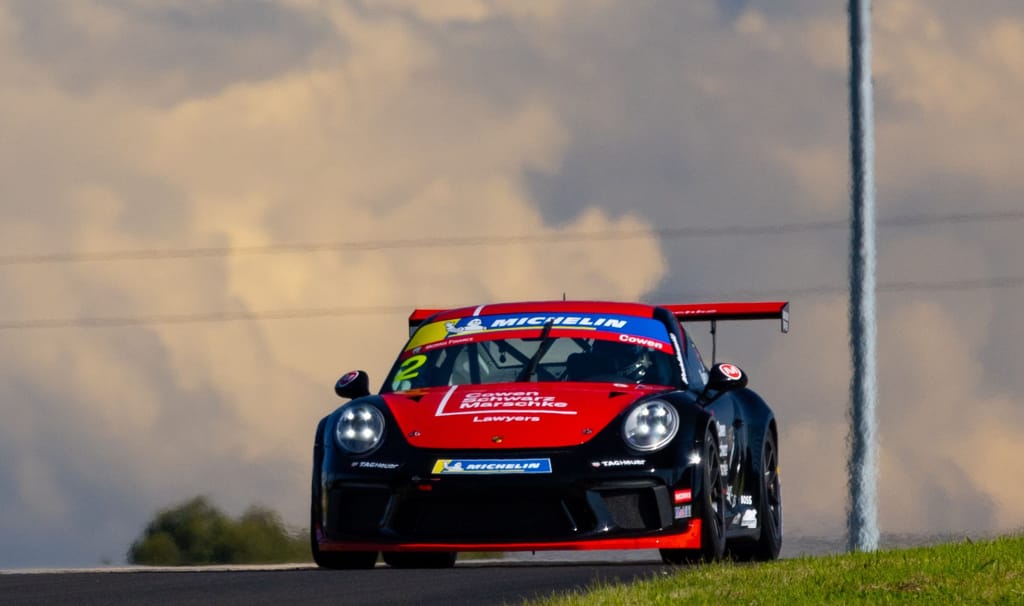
[211, 210]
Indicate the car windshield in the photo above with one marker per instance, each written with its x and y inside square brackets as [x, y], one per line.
[531, 347]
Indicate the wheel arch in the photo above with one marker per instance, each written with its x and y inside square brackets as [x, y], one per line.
[757, 416]
[764, 544]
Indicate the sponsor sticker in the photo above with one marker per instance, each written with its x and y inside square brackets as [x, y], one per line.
[731, 372]
[650, 343]
[683, 511]
[647, 332]
[587, 321]
[473, 325]
[491, 466]
[502, 406]
[375, 465]
[505, 419]
[618, 463]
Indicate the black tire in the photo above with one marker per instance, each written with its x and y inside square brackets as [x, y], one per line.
[337, 560]
[769, 508]
[711, 502]
[420, 559]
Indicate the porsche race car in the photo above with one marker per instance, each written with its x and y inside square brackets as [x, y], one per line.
[557, 425]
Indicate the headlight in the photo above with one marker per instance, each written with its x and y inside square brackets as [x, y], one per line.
[651, 425]
[360, 428]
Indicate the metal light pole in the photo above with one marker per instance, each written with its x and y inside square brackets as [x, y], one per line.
[862, 521]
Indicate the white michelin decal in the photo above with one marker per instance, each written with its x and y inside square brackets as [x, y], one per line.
[475, 324]
[558, 321]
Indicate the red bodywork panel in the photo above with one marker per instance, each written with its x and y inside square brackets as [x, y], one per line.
[688, 539]
[510, 415]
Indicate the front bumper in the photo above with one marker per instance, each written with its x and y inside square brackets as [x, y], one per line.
[597, 495]
[638, 511]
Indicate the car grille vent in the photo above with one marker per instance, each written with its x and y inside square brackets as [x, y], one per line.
[487, 519]
[354, 512]
[633, 509]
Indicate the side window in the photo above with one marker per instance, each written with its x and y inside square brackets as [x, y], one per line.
[695, 369]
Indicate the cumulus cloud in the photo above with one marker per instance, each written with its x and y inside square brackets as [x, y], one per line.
[233, 125]
[104, 426]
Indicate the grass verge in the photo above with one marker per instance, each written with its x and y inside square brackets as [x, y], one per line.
[982, 572]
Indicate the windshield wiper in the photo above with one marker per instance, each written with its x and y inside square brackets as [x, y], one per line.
[545, 345]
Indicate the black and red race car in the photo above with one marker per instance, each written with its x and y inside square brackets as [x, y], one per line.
[550, 426]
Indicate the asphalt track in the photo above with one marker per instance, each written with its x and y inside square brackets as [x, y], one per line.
[513, 580]
[491, 584]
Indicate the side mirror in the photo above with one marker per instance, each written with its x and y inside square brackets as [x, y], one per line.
[726, 377]
[355, 384]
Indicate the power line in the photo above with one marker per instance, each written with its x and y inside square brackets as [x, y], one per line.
[381, 310]
[671, 233]
[200, 318]
[883, 287]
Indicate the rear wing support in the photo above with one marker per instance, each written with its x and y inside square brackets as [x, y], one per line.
[714, 312]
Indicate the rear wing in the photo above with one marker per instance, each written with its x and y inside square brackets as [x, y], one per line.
[713, 312]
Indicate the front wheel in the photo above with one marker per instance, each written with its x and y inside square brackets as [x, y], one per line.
[711, 500]
[769, 508]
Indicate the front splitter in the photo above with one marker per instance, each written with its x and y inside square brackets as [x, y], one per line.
[689, 539]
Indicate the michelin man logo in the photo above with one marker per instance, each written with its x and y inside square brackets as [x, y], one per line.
[474, 325]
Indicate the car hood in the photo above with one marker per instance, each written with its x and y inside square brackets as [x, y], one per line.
[510, 415]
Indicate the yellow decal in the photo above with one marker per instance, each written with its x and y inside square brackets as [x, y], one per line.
[431, 333]
[410, 368]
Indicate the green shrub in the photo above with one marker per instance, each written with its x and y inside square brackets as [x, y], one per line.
[195, 532]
